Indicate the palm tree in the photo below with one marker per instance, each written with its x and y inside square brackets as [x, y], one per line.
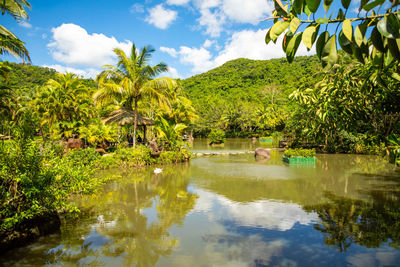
[130, 81]
[64, 99]
[9, 43]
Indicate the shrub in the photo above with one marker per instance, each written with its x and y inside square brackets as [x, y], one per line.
[302, 153]
[139, 156]
[216, 136]
[31, 186]
[174, 156]
[84, 156]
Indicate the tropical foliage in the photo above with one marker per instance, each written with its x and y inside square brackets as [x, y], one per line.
[374, 34]
[9, 43]
[130, 81]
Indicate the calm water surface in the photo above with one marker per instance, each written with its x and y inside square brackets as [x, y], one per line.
[234, 211]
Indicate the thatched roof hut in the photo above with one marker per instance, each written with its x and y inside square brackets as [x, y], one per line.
[125, 116]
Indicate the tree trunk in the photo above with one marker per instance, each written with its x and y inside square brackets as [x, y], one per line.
[144, 135]
[135, 123]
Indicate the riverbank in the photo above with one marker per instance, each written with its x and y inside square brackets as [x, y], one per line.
[38, 180]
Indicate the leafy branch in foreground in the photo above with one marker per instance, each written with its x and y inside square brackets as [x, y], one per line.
[375, 36]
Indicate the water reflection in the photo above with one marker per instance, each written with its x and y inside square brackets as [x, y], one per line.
[125, 233]
[369, 223]
[234, 211]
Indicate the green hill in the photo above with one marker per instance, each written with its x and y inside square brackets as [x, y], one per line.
[237, 95]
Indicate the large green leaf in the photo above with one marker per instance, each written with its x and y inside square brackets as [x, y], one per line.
[292, 46]
[327, 4]
[267, 37]
[345, 44]
[313, 5]
[278, 28]
[394, 48]
[386, 30]
[329, 53]
[359, 34]
[309, 35]
[377, 41]
[394, 23]
[298, 6]
[286, 40]
[346, 3]
[322, 39]
[307, 10]
[347, 29]
[373, 4]
[294, 24]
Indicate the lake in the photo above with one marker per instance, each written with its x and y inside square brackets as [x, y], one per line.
[233, 211]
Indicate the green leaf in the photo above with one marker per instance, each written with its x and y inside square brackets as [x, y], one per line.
[298, 6]
[359, 34]
[309, 35]
[267, 37]
[278, 28]
[329, 53]
[345, 44]
[322, 20]
[363, 3]
[292, 47]
[386, 30]
[307, 10]
[346, 3]
[377, 41]
[294, 24]
[372, 5]
[347, 29]
[313, 5]
[341, 15]
[322, 39]
[394, 48]
[357, 52]
[327, 4]
[394, 24]
[286, 40]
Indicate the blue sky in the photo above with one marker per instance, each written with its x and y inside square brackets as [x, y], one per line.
[191, 36]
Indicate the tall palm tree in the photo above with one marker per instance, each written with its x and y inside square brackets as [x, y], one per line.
[9, 43]
[131, 80]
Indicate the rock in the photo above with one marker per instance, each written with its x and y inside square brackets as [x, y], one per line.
[199, 155]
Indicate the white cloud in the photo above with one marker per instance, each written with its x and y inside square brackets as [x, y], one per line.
[172, 73]
[161, 17]
[25, 24]
[137, 8]
[199, 58]
[209, 43]
[247, 11]
[243, 44]
[177, 2]
[202, 4]
[171, 51]
[213, 21]
[86, 73]
[73, 45]
[44, 36]
[215, 14]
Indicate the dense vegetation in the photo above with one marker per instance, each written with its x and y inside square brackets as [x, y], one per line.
[248, 97]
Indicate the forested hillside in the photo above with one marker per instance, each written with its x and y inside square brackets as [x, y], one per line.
[246, 96]
[26, 78]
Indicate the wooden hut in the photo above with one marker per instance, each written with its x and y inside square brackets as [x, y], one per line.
[125, 116]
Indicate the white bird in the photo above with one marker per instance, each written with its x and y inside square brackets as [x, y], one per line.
[157, 171]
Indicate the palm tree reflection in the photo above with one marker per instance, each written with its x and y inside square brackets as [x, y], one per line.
[126, 233]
